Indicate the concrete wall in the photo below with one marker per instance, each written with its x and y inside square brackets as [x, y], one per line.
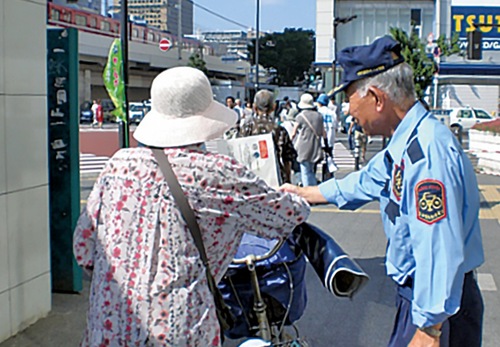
[24, 226]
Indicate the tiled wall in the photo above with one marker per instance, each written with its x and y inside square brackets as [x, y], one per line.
[24, 226]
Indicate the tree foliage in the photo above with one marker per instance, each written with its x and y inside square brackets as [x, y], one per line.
[423, 64]
[290, 52]
[196, 61]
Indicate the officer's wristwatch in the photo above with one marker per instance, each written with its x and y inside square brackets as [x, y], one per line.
[431, 331]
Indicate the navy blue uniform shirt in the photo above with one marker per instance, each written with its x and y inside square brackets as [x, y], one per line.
[429, 203]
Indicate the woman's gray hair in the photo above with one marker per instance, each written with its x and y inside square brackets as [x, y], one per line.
[396, 82]
[264, 101]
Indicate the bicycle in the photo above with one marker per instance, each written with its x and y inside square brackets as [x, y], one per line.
[262, 318]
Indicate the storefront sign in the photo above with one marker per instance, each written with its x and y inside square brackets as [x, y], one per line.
[465, 19]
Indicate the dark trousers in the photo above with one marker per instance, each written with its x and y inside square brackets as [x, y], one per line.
[462, 329]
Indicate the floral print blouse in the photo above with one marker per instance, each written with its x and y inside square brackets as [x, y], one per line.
[149, 286]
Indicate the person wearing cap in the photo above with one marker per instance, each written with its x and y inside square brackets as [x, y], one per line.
[149, 286]
[428, 195]
[330, 118]
[307, 135]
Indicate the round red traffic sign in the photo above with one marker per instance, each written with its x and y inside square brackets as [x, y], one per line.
[165, 44]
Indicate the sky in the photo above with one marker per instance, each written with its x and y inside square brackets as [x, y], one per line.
[275, 15]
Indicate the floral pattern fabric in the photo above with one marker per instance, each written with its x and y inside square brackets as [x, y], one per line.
[149, 286]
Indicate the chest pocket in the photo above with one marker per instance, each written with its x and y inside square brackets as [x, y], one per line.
[392, 211]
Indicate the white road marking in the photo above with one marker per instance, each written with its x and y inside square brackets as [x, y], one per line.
[486, 282]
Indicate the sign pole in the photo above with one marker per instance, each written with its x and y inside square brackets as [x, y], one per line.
[123, 125]
[63, 156]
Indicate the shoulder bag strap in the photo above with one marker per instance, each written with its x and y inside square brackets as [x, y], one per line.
[186, 211]
[309, 124]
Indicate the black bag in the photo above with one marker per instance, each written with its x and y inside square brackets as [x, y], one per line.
[226, 318]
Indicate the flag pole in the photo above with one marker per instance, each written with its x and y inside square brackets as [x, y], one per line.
[123, 124]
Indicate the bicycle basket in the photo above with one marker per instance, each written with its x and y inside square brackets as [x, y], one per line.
[281, 281]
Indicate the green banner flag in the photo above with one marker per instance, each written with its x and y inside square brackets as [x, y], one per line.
[113, 79]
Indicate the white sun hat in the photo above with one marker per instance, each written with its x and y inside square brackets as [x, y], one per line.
[306, 102]
[183, 111]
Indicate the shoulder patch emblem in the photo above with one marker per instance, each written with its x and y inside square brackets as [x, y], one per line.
[397, 180]
[430, 197]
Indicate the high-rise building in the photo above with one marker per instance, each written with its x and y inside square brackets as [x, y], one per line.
[161, 14]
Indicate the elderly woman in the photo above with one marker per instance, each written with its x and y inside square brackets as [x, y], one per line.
[149, 286]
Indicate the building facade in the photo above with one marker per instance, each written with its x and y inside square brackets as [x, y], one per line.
[161, 14]
[459, 82]
[231, 44]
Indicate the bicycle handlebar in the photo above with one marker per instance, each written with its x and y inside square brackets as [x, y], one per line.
[252, 258]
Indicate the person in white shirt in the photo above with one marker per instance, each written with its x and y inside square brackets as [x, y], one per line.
[329, 122]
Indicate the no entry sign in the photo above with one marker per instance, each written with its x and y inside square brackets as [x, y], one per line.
[165, 45]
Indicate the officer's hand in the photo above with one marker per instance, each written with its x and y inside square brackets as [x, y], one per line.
[421, 339]
[290, 188]
[311, 194]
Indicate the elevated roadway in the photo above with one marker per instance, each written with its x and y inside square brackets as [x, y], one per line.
[145, 62]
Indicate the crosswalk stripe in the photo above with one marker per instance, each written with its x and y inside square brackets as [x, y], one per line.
[342, 157]
[91, 164]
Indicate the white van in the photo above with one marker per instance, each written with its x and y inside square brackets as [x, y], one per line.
[464, 118]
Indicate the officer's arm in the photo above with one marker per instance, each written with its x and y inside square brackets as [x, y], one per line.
[351, 192]
[357, 188]
[434, 205]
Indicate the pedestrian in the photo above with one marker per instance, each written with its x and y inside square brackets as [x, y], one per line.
[307, 134]
[428, 195]
[99, 114]
[329, 122]
[238, 107]
[359, 138]
[149, 286]
[93, 108]
[262, 122]
[235, 130]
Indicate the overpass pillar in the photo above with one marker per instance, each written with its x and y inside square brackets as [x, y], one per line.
[87, 85]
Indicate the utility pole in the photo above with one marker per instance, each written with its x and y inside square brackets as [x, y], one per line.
[336, 22]
[257, 25]
[334, 47]
[123, 125]
[179, 29]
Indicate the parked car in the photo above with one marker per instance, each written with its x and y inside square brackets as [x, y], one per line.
[463, 118]
[135, 112]
[86, 114]
[107, 108]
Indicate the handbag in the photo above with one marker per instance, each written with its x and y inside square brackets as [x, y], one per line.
[224, 314]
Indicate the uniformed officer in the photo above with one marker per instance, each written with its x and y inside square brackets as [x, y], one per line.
[429, 200]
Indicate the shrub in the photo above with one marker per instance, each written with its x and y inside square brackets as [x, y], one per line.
[491, 126]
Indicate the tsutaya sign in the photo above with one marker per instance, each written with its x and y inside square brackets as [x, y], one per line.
[464, 17]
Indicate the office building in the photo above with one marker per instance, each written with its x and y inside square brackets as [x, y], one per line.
[161, 14]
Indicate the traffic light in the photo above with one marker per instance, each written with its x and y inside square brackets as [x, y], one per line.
[474, 45]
